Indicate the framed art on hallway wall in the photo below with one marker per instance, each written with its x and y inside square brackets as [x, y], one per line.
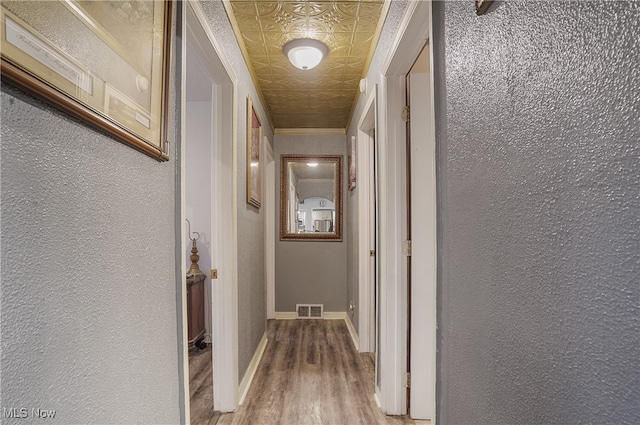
[106, 63]
[254, 156]
[352, 163]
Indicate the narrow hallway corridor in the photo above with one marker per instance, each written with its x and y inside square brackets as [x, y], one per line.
[311, 373]
[479, 226]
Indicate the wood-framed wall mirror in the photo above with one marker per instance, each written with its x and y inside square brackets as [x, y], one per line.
[311, 197]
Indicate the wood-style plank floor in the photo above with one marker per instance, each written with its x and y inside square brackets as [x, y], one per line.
[311, 374]
[201, 387]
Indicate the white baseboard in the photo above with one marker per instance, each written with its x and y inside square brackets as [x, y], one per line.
[352, 332]
[251, 370]
[285, 315]
[328, 315]
[335, 315]
[377, 399]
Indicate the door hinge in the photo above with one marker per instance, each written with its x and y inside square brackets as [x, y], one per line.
[407, 377]
[372, 253]
[406, 114]
[407, 248]
[214, 273]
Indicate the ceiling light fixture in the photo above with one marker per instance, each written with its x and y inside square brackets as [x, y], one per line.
[305, 53]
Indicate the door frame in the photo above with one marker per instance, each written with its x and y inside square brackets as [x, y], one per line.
[422, 146]
[413, 33]
[366, 226]
[224, 290]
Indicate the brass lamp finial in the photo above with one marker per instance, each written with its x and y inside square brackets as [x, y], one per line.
[194, 270]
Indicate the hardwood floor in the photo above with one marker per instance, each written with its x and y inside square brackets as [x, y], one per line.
[311, 373]
[201, 387]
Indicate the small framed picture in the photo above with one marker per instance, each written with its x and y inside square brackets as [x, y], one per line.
[254, 156]
[352, 163]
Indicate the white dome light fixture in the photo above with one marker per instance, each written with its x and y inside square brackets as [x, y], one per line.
[305, 53]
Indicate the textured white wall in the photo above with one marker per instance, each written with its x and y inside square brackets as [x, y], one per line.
[88, 272]
[539, 156]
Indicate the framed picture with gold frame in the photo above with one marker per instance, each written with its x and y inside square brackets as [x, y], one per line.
[254, 156]
[104, 62]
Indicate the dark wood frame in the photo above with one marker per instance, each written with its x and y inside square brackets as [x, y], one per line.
[336, 236]
[34, 80]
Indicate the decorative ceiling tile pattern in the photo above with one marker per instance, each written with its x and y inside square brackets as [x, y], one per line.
[323, 97]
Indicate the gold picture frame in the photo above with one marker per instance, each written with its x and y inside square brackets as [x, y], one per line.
[254, 156]
[106, 63]
[304, 180]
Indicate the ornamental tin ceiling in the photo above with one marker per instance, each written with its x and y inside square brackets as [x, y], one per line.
[323, 97]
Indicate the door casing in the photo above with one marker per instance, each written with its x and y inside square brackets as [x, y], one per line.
[414, 31]
[224, 297]
[366, 228]
[422, 293]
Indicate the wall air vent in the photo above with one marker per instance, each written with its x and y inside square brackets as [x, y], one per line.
[309, 311]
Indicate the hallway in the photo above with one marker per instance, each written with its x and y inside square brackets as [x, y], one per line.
[533, 155]
[310, 373]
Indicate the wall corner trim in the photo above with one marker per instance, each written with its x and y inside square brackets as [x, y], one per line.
[243, 389]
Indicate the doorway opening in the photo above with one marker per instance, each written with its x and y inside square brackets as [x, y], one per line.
[208, 201]
[199, 171]
[365, 177]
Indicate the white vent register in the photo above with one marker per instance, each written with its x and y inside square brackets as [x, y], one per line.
[309, 311]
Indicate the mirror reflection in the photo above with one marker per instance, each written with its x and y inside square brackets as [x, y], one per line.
[311, 203]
